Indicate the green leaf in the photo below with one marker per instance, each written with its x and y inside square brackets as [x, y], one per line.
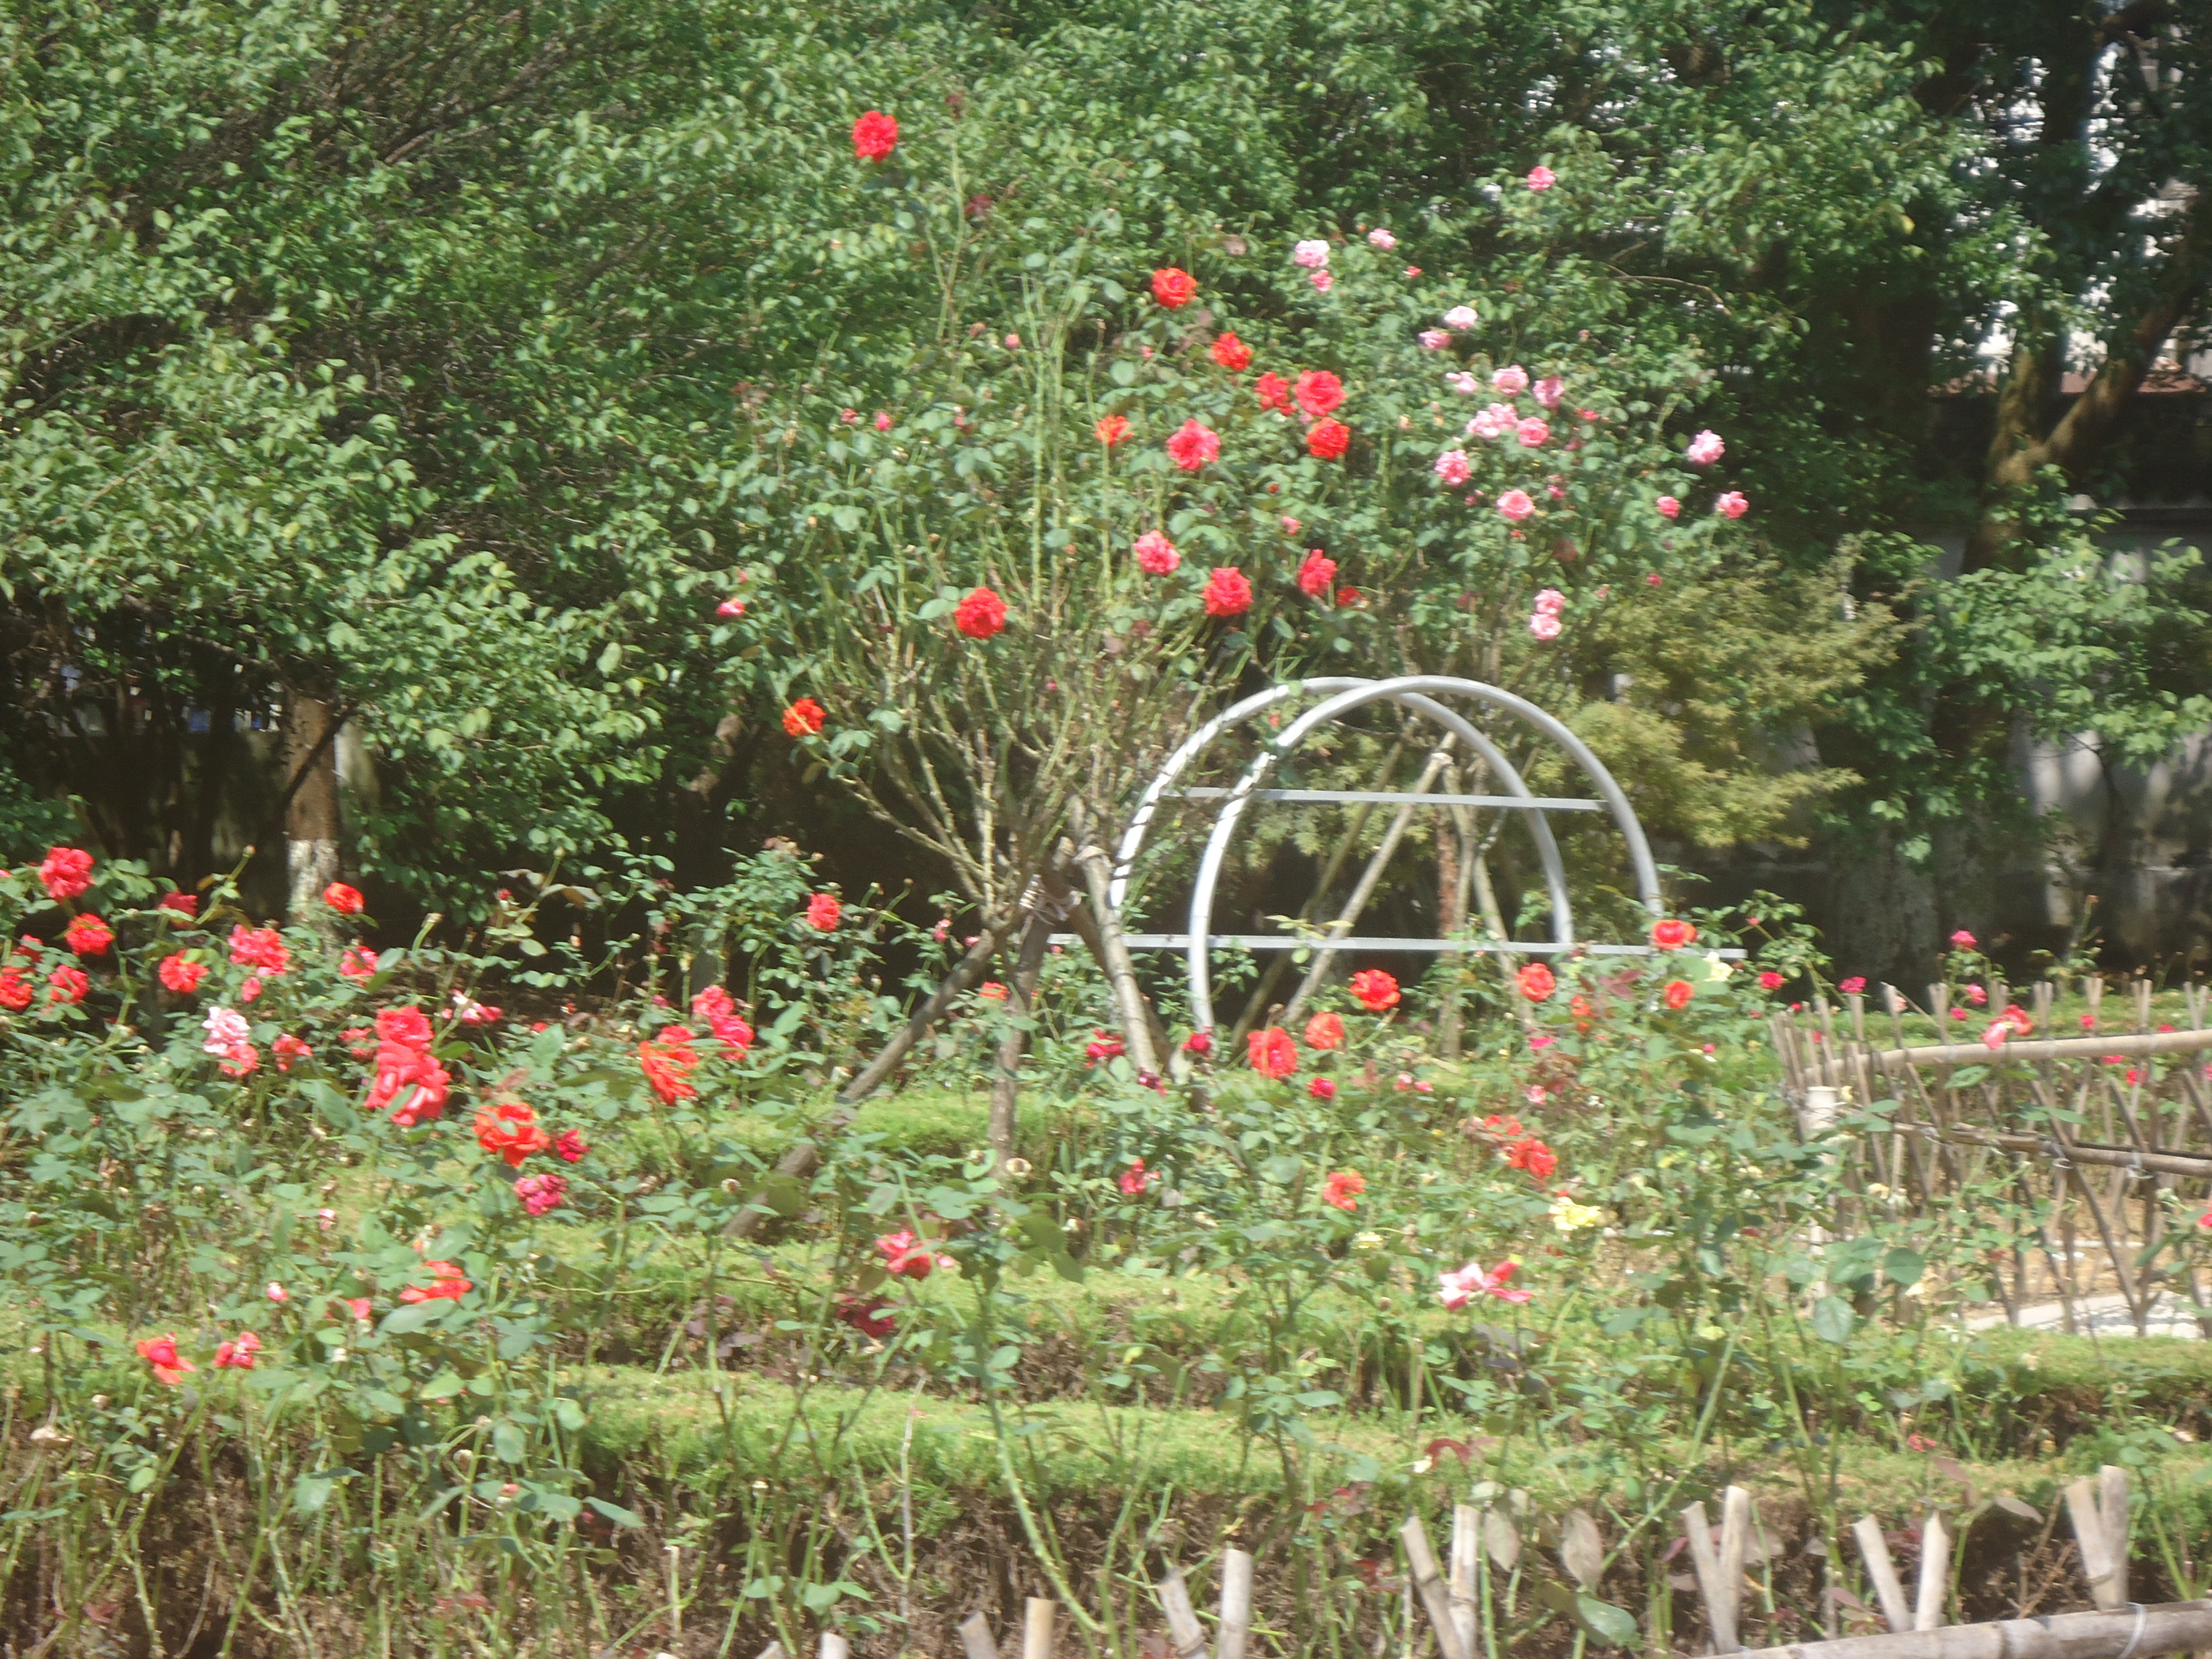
[1903, 1267]
[506, 1443]
[616, 1512]
[1614, 1627]
[1833, 1319]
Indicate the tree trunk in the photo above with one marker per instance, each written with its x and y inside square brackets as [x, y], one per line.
[1006, 1084]
[310, 818]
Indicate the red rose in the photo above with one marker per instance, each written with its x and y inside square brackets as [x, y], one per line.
[1228, 593]
[980, 614]
[1770, 981]
[874, 136]
[346, 900]
[1315, 572]
[510, 1130]
[1325, 1030]
[823, 912]
[1272, 1052]
[804, 717]
[1232, 354]
[1174, 288]
[1114, 430]
[1327, 440]
[185, 904]
[1678, 993]
[89, 936]
[1193, 446]
[1672, 935]
[181, 973]
[1536, 981]
[1375, 990]
[1343, 1189]
[1318, 392]
[1273, 393]
[668, 1065]
[67, 985]
[66, 870]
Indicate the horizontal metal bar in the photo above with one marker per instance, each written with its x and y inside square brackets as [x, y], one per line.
[1319, 797]
[1411, 946]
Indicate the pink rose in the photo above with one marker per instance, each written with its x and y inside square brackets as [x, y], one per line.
[1312, 255]
[1541, 179]
[1733, 504]
[1532, 433]
[1516, 504]
[1551, 602]
[1462, 382]
[1550, 390]
[1544, 625]
[1155, 553]
[1322, 281]
[1453, 468]
[1434, 339]
[1512, 380]
[1669, 508]
[1459, 317]
[1706, 448]
[1381, 238]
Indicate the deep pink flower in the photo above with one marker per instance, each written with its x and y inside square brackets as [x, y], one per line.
[1316, 573]
[1705, 449]
[1852, 987]
[1669, 508]
[1542, 177]
[823, 912]
[261, 948]
[1192, 446]
[1550, 601]
[357, 962]
[541, 1192]
[1454, 468]
[1318, 392]
[1962, 940]
[66, 870]
[1228, 593]
[1322, 1088]
[874, 136]
[1544, 625]
[1455, 1290]
[1733, 504]
[1322, 281]
[1155, 553]
[181, 973]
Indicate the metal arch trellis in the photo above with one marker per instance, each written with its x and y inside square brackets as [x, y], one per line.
[1419, 693]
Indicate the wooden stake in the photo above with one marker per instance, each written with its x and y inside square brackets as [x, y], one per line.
[1235, 1605]
[1037, 1627]
[1882, 1570]
[1183, 1628]
[835, 1646]
[1466, 1528]
[1735, 1534]
[1421, 1560]
[975, 1640]
[2138, 1633]
[1720, 1606]
[1934, 1574]
[773, 1650]
[2098, 1510]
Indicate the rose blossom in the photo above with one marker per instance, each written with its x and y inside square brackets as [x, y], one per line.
[1318, 392]
[980, 614]
[1532, 432]
[1459, 317]
[1173, 288]
[1322, 281]
[1381, 238]
[1155, 553]
[1463, 383]
[823, 911]
[1512, 380]
[1705, 448]
[1516, 504]
[1193, 446]
[1452, 467]
[1313, 255]
[1434, 339]
[1544, 625]
[1550, 601]
[1327, 440]
[874, 136]
[1316, 573]
[1542, 177]
[1733, 504]
[1550, 390]
[1669, 508]
[1232, 353]
[1228, 593]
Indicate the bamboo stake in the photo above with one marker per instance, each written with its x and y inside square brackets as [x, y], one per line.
[1720, 1606]
[1421, 1560]
[1183, 1628]
[1934, 1574]
[2094, 1543]
[1881, 1572]
[1735, 1536]
[1235, 1605]
[1467, 1526]
[773, 1650]
[1037, 1627]
[975, 1640]
[2136, 1632]
[835, 1646]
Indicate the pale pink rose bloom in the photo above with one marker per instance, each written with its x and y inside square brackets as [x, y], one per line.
[1706, 448]
[1512, 380]
[1312, 255]
[1155, 553]
[1544, 625]
[1463, 383]
[1516, 504]
[277, 1293]
[1994, 1038]
[1551, 602]
[1290, 526]
[1669, 508]
[1550, 390]
[1434, 339]
[1542, 178]
[1322, 281]
[1381, 238]
[1733, 504]
[226, 1031]
[1452, 467]
[1532, 433]
[1485, 425]
[882, 420]
[1459, 317]
[1555, 492]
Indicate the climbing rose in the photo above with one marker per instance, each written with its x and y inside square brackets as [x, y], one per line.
[510, 1130]
[1542, 177]
[1273, 393]
[181, 973]
[1193, 446]
[287, 1048]
[1459, 317]
[874, 134]
[1133, 1181]
[1232, 353]
[1343, 1189]
[1678, 993]
[804, 717]
[239, 1354]
[1434, 339]
[980, 614]
[1114, 430]
[259, 947]
[1733, 504]
[1374, 990]
[67, 985]
[1770, 981]
[1322, 1088]
[346, 900]
[88, 936]
[1512, 380]
[1550, 601]
[541, 1192]
[1550, 390]
[1454, 468]
[1325, 1030]
[1705, 449]
[823, 912]
[66, 871]
[1315, 572]
[1852, 987]
[1962, 940]
[1669, 508]
[1463, 383]
[1311, 255]
[1327, 440]
[1228, 593]
[446, 1285]
[568, 1145]
[1672, 935]
[14, 990]
[668, 1065]
[1536, 981]
[1532, 433]
[357, 962]
[1174, 288]
[1318, 392]
[1155, 553]
[905, 1256]
[161, 1353]
[1272, 1052]
[1381, 238]
[1544, 625]
[185, 904]
[1516, 504]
